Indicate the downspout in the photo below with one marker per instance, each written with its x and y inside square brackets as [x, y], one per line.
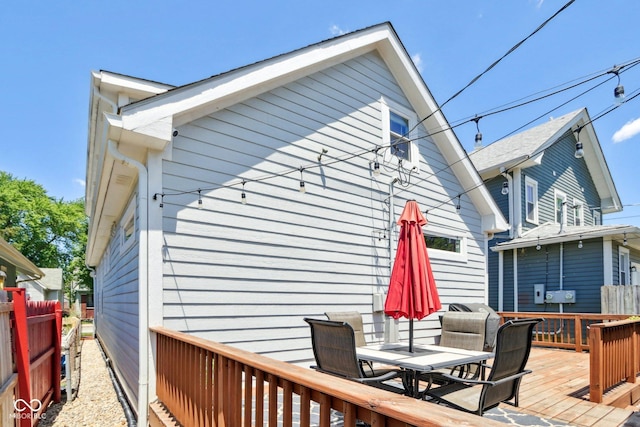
[515, 280]
[560, 309]
[143, 287]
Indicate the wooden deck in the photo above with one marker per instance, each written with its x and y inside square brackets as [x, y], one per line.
[558, 389]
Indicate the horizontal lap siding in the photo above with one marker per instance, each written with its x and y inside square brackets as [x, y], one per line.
[116, 303]
[248, 274]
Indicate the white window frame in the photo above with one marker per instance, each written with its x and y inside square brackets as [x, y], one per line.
[447, 255]
[597, 218]
[128, 226]
[559, 195]
[387, 106]
[624, 266]
[529, 182]
[578, 212]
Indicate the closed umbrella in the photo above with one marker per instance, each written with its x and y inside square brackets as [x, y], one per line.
[412, 290]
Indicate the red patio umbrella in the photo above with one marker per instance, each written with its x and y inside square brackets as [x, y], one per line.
[412, 290]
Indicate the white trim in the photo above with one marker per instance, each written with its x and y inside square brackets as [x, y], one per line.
[597, 217]
[576, 204]
[607, 260]
[534, 184]
[557, 194]
[501, 281]
[517, 202]
[623, 255]
[515, 280]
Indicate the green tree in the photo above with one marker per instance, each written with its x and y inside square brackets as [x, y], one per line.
[51, 233]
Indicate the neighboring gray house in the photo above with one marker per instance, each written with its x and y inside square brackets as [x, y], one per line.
[554, 202]
[173, 244]
[47, 288]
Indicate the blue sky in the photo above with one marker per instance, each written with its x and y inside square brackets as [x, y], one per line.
[50, 48]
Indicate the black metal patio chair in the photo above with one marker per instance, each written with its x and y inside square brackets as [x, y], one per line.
[334, 349]
[513, 345]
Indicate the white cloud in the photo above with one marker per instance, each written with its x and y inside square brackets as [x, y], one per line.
[629, 130]
[417, 59]
[80, 182]
[336, 31]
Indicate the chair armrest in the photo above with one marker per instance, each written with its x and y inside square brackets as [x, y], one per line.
[457, 379]
[385, 377]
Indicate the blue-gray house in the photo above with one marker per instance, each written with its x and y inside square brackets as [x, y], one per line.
[553, 184]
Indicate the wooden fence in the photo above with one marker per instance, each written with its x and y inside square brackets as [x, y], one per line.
[203, 383]
[71, 343]
[614, 354]
[563, 330]
[8, 379]
[620, 299]
[37, 333]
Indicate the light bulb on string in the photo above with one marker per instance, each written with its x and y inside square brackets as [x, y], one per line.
[579, 147]
[458, 207]
[618, 92]
[243, 196]
[302, 188]
[624, 240]
[580, 242]
[199, 199]
[478, 140]
[505, 188]
[538, 247]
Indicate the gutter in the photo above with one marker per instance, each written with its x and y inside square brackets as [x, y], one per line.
[143, 281]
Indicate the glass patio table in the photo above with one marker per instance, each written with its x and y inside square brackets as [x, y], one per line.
[423, 359]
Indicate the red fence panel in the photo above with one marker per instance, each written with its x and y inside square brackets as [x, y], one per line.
[37, 331]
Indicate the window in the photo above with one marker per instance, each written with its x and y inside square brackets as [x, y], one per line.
[450, 244]
[624, 266]
[446, 247]
[398, 132]
[397, 123]
[596, 218]
[531, 195]
[578, 212]
[128, 227]
[560, 207]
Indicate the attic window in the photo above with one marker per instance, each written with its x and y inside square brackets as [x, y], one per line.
[398, 124]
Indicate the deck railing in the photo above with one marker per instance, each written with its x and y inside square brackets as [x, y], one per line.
[203, 383]
[563, 330]
[614, 353]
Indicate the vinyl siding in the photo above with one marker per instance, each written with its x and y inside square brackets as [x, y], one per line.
[560, 170]
[246, 275]
[116, 303]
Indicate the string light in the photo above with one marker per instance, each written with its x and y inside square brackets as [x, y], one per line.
[580, 242]
[579, 148]
[624, 241]
[505, 188]
[302, 186]
[458, 207]
[243, 196]
[478, 141]
[618, 92]
[538, 247]
[199, 199]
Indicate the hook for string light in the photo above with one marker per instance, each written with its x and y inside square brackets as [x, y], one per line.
[478, 141]
[579, 147]
[323, 152]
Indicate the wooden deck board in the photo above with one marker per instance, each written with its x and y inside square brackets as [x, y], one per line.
[558, 389]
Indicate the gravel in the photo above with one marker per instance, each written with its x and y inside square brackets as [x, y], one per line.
[96, 403]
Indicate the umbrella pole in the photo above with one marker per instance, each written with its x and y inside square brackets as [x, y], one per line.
[410, 335]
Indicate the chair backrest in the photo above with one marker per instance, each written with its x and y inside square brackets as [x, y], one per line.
[492, 324]
[513, 345]
[354, 319]
[334, 348]
[463, 330]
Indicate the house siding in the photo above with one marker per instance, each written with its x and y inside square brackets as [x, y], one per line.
[560, 170]
[116, 300]
[246, 275]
